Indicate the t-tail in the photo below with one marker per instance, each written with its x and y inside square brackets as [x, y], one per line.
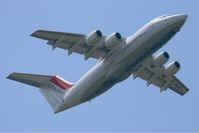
[53, 88]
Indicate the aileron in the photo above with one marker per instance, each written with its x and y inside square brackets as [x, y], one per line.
[177, 86]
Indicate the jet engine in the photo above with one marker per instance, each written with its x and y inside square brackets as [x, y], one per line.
[160, 59]
[171, 69]
[113, 40]
[93, 37]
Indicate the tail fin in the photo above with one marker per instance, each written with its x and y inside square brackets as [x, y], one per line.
[53, 88]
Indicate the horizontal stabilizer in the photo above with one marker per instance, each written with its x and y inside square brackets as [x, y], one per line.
[30, 79]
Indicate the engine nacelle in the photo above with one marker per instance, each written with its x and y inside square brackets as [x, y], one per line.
[160, 59]
[113, 40]
[171, 69]
[93, 37]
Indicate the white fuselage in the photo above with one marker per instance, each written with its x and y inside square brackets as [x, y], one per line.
[119, 63]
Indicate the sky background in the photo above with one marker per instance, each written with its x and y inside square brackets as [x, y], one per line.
[129, 106]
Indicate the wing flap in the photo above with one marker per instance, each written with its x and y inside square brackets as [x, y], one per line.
[177, 86]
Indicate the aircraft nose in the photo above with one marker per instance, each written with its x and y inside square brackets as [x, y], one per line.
[181, 17]
[178, 19]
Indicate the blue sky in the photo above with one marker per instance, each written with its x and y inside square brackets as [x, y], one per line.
[129, 106]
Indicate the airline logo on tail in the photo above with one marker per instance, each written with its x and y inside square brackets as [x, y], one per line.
[58, 84]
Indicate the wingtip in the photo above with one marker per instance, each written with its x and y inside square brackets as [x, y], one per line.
[10, 76]
[185, 92]
[34, 33]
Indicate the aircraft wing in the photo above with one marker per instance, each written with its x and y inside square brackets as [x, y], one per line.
[154, 75]
[72, 42]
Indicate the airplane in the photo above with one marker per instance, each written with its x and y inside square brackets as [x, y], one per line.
[118, 58]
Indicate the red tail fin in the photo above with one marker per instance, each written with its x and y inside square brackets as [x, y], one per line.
[61, 83]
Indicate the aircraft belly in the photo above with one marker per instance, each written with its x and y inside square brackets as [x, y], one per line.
[87, 84]
[111, 75]
[91, 83]
[95, 90]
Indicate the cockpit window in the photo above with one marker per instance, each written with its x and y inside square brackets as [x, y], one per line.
[164, 16]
